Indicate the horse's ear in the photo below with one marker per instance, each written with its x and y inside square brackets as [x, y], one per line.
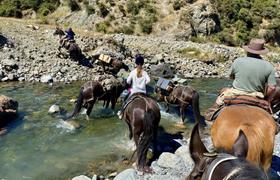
[240, 147]
[197, 148]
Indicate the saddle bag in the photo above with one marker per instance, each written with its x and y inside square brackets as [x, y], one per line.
[249, 100]
[163, 83]
[105, 58]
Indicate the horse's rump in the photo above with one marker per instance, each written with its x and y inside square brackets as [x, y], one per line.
[258, 126]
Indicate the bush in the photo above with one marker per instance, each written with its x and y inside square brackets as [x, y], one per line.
[177, 4]
[46, 8]
[74, 6]
[146, 25]
[102, 27]
[103, 10]
[126, 29]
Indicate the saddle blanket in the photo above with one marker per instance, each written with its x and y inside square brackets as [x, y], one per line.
[249, 100]
[105, 58]
[242, 99]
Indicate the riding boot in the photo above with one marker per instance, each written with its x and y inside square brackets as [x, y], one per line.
[211, 111]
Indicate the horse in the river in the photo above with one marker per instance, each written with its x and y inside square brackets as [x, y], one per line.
[93, 91]
[217, 166]
[113, 65]
[142, 115]
[72, 47]
[182, 96]
[256, 123]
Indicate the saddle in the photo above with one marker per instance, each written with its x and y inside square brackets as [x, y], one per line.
[248, 100]
[242, 99]
[131, 98]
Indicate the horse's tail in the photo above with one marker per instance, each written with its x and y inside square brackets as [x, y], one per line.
[146, 137]
[256, 140]
[78, 105]
[196, 109]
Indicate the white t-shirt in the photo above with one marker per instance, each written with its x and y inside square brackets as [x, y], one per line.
[138, 84]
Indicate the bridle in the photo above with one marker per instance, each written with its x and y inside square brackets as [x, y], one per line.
[210, 162]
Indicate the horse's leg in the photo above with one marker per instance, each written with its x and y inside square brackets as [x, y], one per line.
[89, 108]
[130, 130]
[113, 103]
[107, 103]
[182, 113]
[167, 108]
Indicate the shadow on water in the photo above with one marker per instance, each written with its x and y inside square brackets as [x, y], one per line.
[15, 122]
[166, 142]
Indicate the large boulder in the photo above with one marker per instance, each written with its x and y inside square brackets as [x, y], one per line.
[8, 110]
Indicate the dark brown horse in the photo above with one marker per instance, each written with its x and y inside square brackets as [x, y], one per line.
[142, 116]
[183, 96]
[72, 47]
[258, 126]
[218, 166]
[114, 66]
[93, 91]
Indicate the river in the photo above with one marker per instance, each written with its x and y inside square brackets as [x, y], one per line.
[39, 146]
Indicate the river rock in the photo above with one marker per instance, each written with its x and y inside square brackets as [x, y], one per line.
[54, 109]
[128, 174]
[169, 160]
[81, 177]
[46, 79]
[8, 110]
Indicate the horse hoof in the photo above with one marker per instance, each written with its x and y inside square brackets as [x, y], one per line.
[147, 169]
[180, 125]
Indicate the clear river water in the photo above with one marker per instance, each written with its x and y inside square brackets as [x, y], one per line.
[40, 146]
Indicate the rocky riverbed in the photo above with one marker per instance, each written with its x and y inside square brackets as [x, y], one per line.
[29, 53]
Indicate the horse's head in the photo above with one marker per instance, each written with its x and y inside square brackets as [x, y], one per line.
[58, 32]
[125, 67]
[203, 159]
[160, 93]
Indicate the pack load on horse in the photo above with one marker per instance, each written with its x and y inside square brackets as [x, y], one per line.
[142, 115]
[179, 95]
[243, 107]
[222, 165]
[110, 64]
[66, 40]
[106, 88]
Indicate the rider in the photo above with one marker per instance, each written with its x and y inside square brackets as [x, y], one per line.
[138, 79]
[252, 76]
[68, 37]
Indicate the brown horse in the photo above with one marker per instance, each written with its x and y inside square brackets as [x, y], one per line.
[93, 91]
[114, 66]
[214, 166]
[183, 96]
[72, 47]
[258, 126]
[142, 116]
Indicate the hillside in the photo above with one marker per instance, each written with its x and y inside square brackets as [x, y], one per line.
[231, 22]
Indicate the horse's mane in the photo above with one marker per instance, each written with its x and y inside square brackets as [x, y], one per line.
[247, 171]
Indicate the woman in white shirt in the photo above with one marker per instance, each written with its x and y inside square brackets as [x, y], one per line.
[138, 79]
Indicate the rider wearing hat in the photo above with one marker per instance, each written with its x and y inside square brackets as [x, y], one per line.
[252, 76]
[138, 79]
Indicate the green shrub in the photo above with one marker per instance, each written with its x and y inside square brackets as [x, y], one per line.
[146, 25]
[177, 4]
[102, 27]
[126, 29]
[103, 9]
[74, 6]
[46, 8]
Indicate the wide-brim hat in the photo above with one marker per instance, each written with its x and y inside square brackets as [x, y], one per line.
[256, 46]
